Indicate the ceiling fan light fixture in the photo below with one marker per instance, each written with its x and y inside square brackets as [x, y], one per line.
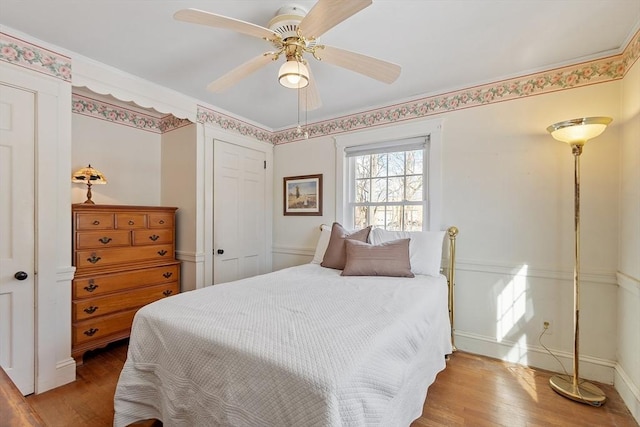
[294, 75]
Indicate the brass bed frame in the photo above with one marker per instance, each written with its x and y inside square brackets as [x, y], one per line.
[452, 232]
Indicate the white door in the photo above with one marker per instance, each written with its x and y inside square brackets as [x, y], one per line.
[17, 264]
[239, 212]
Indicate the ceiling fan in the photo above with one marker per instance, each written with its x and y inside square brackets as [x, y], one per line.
[293, 33]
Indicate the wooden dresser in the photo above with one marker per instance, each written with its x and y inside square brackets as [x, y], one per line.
[124, 258]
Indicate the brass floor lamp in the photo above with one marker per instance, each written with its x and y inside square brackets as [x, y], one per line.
[576, 133]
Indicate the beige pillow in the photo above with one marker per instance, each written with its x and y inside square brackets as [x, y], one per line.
[335, 255]
[387, 259]
[321, 246]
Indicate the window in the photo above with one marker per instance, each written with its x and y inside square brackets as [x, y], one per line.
[390, 177]
[387, 186]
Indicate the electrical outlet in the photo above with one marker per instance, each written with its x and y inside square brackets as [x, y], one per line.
[546, 325]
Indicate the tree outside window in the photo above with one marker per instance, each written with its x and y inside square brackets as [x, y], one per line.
[389, 190]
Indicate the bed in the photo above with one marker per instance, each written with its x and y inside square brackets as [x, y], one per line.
[300, 346]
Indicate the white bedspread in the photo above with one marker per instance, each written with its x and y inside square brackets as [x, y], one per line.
[298, 347]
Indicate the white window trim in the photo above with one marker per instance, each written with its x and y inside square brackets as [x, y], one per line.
[430, 128]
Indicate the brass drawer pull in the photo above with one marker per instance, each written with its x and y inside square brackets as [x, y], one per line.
[90, 332]
[105, 240]
[96, 222]
[167, 275]
[167, 292]
[94, 258]
[90, 310]
[91, 286]
[131, 222]
[154, 237]
[162, 252]
[161, 222]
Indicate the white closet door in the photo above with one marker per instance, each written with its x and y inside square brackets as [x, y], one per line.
[239, 212]
[17, 247]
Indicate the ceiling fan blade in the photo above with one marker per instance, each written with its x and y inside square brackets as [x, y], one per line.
[378, 69]
[309, 96]
[196, 16]
[240, 72]
[326, 14]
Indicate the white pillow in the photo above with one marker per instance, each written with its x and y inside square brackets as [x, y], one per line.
[425, 248]
[321, 246]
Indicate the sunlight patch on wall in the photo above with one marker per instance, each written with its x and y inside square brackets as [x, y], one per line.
[511, 303]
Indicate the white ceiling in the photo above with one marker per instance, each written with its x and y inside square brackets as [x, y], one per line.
[440, 44]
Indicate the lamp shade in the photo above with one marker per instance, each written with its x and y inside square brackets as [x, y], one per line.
[293, 74]
[88, 175]
[579, 131]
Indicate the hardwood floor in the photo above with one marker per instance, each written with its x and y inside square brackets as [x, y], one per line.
[471, 391]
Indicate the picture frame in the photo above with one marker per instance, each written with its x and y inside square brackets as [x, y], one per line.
[302, 195]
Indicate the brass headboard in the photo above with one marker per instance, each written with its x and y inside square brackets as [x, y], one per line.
[451, 278]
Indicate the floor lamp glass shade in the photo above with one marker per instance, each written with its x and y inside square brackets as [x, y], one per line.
[89, 176]
[576, 133]
[579, 131]
[293, 74]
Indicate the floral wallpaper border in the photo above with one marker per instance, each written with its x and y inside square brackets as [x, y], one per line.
[28, 55]
[207, 115]
[117, 114]
[577, 75]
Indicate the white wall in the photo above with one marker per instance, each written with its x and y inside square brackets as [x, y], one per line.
[627, 379]
[295, 236]
[180, 189]
[128, 157]
[508, 186]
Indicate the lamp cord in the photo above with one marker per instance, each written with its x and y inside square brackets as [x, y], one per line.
[544, 331]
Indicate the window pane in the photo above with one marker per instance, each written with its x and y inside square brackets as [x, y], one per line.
[362, 191]
[414, 191]
[379, 165]
[361, 217]
[379, 190]
[414, 162]
[396, 164]
[396, 190]
[363, 166]
[395, 178]
[394, 218]
[379, 217]
[413, 218]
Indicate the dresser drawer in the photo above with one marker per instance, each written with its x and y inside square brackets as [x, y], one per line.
[98, 258]
[103, 239]
[129, 220]
[161, 220]
[95, 329]
[94, 221]
[88, 308]
[101, 284]
[152, 237]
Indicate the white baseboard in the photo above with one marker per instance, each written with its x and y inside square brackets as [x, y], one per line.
[65, 373]
[591, 368]
[628, 391]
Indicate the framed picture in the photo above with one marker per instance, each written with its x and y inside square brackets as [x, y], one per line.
[303, 195]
